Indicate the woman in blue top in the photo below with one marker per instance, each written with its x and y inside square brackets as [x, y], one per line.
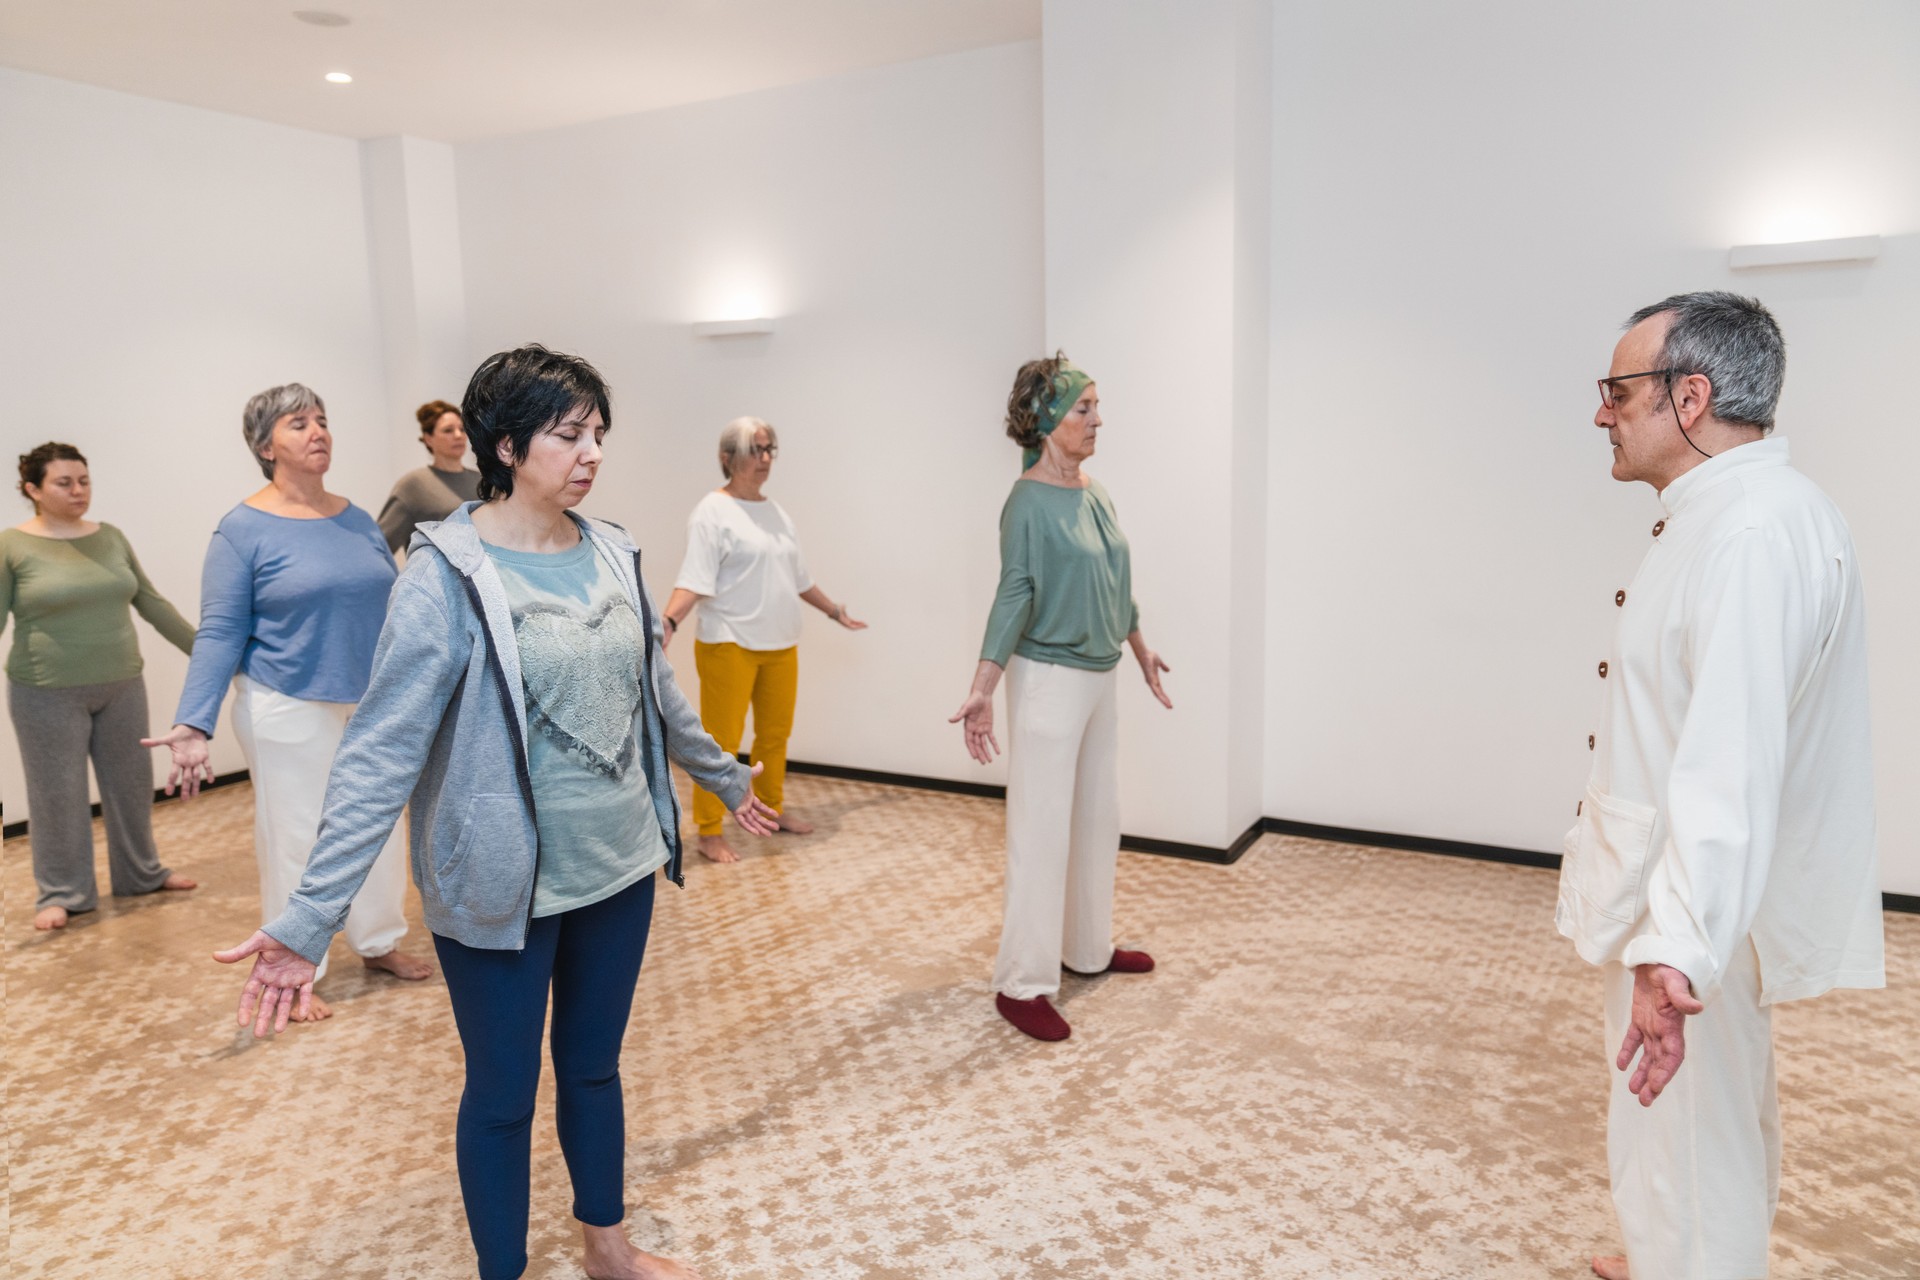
[292, 597]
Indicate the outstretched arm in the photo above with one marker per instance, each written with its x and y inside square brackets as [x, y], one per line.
[838, 612]
[976, 713]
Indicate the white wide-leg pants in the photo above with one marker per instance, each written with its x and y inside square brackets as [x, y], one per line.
[1063, 825]
[289, 745]
[1696, 1176]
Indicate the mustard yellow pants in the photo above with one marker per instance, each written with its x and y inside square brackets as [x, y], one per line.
[731, 680]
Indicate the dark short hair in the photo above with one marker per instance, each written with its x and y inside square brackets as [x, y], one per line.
[34, 463]
[514, 396]
[1735, 342]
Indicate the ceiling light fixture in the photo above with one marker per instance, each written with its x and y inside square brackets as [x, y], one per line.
[339, 77]
[321, 18]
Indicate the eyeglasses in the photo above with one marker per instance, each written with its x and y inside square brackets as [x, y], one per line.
[1609, 392]
[767, 451]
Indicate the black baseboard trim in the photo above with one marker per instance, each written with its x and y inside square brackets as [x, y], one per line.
[1413, 844]
[1907, 902]
[13, 829]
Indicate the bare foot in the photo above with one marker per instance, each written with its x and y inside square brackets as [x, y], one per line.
[316, 1011]
[178, 883]
[400, 965]
[798, 826]
[611, 1256]
[50, 918]
[1610, 1268]
[716, 849]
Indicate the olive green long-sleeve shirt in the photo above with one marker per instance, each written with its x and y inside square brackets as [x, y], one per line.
[70, 600]
[1066, 579]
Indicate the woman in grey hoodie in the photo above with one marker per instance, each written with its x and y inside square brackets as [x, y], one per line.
[522, 711]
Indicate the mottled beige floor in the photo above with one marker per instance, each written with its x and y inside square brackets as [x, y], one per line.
[1353, 1063]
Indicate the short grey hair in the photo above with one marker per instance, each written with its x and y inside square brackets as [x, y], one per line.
[1735, 342]
[267, 408]
[736, 441]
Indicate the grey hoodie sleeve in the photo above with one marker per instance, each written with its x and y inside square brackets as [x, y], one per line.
[688, 744]
[418, 664]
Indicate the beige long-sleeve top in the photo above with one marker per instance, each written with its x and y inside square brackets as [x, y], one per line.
[1732, 786]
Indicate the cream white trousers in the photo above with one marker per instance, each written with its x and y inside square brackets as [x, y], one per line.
[1063, 825]
[289, 745]
[1696, 1176]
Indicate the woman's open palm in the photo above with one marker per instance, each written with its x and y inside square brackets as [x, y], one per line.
[281, 982]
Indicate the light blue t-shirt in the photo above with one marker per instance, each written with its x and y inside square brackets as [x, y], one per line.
[580, 650]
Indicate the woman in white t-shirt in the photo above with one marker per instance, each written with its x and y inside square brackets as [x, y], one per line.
[744, 569]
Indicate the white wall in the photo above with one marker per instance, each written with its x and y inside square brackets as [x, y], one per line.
[159, 264]
[890, 219]
[1469, 199]
[1156, 129]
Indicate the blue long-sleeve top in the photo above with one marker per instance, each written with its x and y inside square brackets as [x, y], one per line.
[295, 605]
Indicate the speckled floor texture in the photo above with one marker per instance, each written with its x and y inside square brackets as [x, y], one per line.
[1352, 1063]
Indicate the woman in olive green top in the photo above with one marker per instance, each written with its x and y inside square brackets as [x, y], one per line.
[1064, 608]
[74, 686]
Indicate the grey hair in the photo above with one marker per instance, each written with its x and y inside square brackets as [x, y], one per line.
[267, 408]
[1735, 342]
[736, 441]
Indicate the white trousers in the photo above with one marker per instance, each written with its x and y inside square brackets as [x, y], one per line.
[1696, 1176]
[1063, 825]
[289, 745]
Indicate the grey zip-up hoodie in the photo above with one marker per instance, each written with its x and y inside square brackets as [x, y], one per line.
[442, 731]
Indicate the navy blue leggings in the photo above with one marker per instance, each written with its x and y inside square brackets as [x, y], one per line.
[591, 957]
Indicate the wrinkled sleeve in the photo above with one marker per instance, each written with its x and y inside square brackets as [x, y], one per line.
[226, 621]
[688, 743]
[156, 608]
[1013, 603]
[419, 662]
[1751, 631]
[700, 570]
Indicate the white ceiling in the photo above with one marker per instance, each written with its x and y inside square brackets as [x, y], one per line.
[456, 70]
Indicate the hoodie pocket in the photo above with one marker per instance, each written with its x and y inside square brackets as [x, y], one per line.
[1610, 849]
[489, 874]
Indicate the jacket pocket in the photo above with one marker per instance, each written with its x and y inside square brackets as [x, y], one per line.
[1610, 849]
[489, 873]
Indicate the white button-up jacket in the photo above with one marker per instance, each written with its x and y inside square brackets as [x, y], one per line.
[1732, 788]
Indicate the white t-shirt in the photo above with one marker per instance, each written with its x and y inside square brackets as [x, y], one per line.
[745, 558]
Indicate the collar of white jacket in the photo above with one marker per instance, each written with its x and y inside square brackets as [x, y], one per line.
[1768, 452]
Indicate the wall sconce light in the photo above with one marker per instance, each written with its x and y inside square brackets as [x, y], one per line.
[731, 328]
[1743, 257]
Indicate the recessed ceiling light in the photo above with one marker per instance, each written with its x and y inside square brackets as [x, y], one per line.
[321, 18]
[339, 77]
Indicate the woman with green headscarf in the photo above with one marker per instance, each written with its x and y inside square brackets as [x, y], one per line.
[1064, 609]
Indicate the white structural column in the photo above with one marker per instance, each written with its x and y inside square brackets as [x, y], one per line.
[413, 247]
[1157, 119]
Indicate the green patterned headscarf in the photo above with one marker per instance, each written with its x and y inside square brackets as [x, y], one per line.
[1068, 384]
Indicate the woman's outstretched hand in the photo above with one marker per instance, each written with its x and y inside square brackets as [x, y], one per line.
[754, 815]
[281, 982]
[976, 717]
[1151, 666]
[190, 763]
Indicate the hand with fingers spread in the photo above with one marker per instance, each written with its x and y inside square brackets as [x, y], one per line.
[190, 759]
[1663, 999]
[280, 985]
[976, 714]
[755, 814]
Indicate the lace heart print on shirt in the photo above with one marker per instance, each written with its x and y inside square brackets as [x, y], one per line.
[582, 676]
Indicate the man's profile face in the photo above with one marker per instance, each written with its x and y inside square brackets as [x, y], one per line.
[1640, 426]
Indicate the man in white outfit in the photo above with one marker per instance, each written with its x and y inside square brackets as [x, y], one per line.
[1723, 859]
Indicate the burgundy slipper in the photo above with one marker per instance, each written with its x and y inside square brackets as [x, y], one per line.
[1037, 1017]
[1122, 962]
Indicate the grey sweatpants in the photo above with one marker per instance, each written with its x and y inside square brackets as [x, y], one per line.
[58, 729]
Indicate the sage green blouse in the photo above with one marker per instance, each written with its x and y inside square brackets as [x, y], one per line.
[70, 600]
[1066, 579]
